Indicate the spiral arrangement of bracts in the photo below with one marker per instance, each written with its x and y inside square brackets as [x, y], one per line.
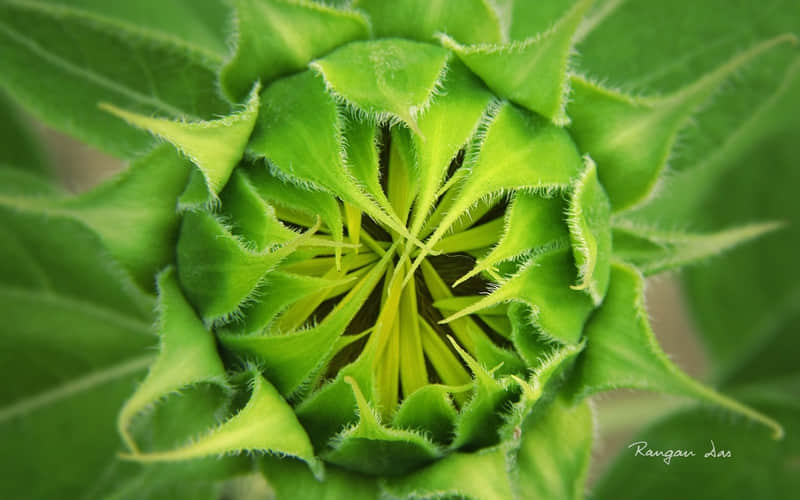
[407, 254]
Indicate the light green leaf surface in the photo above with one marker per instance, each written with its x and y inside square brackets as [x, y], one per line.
[141, 197]
[385, 79]
[553, 457]
[532, 466]
[444, 129]
[217, 271]
[531, 73]
[249, 216]
[187, 355]
[459, 475]
[519, 239]
[468, 21]
[89, 59]
[200, 27]
[428, 409]
[622, 352]
[544, 160]
[296, 204]
[279, 37]
[654, 251]
[482, 411]
[298, 131]
[524, 19]
[631, 139]
[544, 285]
[215, 147]
[589, 222]
[361, 151]
[620, 49]
[371, 447]
[291, 479]
[16, 184]
[764, 324]
[266, 424]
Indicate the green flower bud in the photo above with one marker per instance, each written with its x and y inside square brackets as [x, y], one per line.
[405, 261]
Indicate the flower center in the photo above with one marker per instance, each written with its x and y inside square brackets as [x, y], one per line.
[400, 325]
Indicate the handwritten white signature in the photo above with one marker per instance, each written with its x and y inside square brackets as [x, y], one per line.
[641, 449]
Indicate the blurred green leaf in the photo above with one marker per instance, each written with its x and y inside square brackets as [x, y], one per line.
[759, 467]
[141, 197]
[20, 146]
[59, 62]
[736, 166]
[750, 330]
[201, 26]
[75, 332]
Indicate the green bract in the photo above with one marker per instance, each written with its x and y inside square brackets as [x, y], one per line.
[403, 260]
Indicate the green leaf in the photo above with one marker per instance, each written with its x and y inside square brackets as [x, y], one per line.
[132, 199]
[16, 184]
[361, 153]
[50, 452]
[402, 176]
[299, 132]
[445, 127]
[290, 480]
[215, 147]
[621, 49]
[763, 468]
[249, 216]
[524, 19]
[520, 240]
[266, 424]
[58, 266]
[187, 356]
[551, 368]
[468, 21]
[483, 411]
[200, 27]
[278, 37]
[622, 352]
[283, 290]
[619, 46]
[21, 148]
[761, 313]
[289, 358]
[331, 408]
[385, 79]
[653, 251]
[630, 138]
[428, 409]
[554, 453]
[142, 197]
[543, 284]
[531, 73]
[589, 222]
[459, 475]
[294, 203]
[87, 60]
[371, 447]
[217, 271]
[75, 335]
[544, 160]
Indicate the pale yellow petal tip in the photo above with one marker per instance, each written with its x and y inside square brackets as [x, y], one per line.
[113, 110]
